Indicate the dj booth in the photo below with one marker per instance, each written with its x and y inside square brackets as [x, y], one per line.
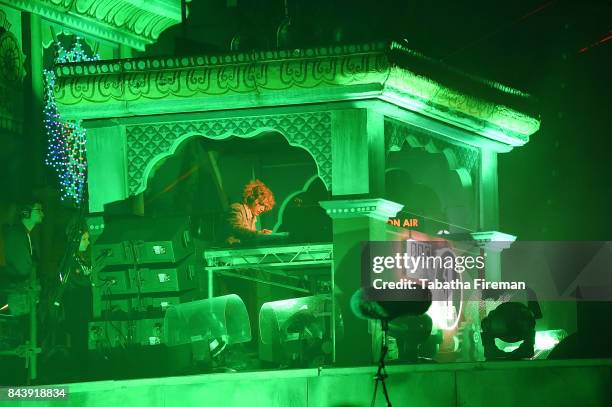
[154, 276]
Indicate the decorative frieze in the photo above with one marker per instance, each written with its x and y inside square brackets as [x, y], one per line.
[147, 144]
[269, 78]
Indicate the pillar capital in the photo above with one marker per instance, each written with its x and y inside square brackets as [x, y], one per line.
[493, 240]
[376, 208]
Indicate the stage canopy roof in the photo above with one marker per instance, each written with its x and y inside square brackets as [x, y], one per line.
[387, 73]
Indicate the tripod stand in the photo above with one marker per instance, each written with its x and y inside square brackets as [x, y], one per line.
[381, 373]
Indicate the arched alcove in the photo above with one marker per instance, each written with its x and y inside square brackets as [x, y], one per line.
[203, 176]
[422, 182]
[463, 160]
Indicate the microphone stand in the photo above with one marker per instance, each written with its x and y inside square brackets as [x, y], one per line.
[67, 265]
[381, 373]
[51, 311]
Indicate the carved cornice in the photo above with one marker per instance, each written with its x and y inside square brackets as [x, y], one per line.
[147, 144]
[130, 22]
[271, 78]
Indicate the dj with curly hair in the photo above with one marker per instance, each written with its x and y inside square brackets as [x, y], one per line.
[257, 198]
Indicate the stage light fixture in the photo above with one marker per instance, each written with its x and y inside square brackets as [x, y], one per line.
[298, 332]
[386, 311]
[416, 323]
[511, 322]
[210, 326]
[545, 342]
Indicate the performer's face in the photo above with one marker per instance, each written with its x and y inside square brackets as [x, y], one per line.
[257, 208]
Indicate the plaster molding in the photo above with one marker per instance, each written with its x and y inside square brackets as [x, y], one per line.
[270, 78]
[147, 144]
[130, 22]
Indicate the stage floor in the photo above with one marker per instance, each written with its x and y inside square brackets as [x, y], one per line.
[523, 383]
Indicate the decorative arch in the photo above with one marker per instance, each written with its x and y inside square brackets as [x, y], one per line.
[147, 144]
[426, 192]
[461, 160]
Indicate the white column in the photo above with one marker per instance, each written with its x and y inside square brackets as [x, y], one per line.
[493, 243]
[488, 191]
[355, 221]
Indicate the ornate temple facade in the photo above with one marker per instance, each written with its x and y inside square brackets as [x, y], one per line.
[370, 117]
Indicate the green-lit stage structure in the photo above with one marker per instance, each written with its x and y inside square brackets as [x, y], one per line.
[390, 135]
[369, 116]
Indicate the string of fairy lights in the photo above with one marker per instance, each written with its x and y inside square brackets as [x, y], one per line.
[66, 152]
